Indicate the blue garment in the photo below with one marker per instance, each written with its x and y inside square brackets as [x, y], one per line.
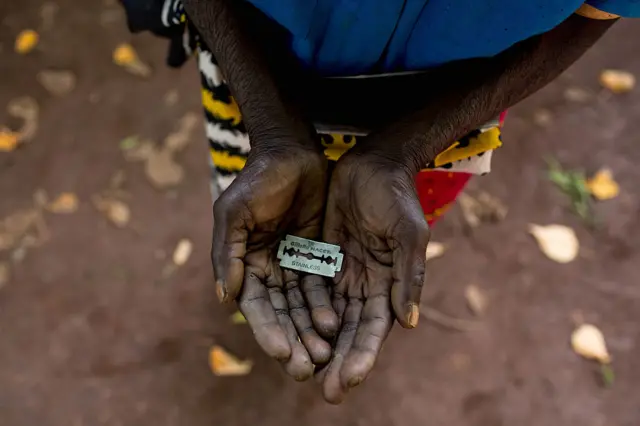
[347, 37]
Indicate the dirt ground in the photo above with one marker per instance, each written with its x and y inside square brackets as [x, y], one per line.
[94, 333]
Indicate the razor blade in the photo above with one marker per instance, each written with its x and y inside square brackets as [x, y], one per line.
[310, 256]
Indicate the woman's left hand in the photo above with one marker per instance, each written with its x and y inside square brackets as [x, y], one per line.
[374, 215]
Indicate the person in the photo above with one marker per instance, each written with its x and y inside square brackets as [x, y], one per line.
[356, 123]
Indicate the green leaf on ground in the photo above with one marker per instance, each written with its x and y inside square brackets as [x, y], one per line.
[608, 376]
[130, 142]
[574, 184]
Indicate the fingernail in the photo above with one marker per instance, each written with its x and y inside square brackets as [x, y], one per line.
[413, 315]
[220, 291]
[354, 381]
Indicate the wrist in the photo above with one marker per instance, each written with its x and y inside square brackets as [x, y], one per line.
[417, 139]
[390, 152]
[381, 160]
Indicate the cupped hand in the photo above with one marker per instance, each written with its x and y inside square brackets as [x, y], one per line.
[278, 192]
[373, 213]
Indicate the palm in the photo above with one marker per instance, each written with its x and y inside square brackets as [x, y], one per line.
[274, 196]
[374, 215]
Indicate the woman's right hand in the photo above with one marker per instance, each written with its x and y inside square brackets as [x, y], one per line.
[280, 191]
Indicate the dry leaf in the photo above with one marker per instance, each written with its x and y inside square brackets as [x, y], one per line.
[125, 56]
[25, 108]
[445, 320]
[67, 202]
[460, 361]
[588, 341]
[171, 97]
[4, 274]
[435, 250]
[576, 94]
[182, 252]
[162, 170]
[542, 117]
[483, 208]
[222, 363]
[17, 227]
[117, 181]
[476, 300]
[115, 210]
[8, 140]
[557, 242]
[617, 81]
[136, 150]
[48, 12]
[602, 185]
[26, 41]
[238, 318]
[178, 140]
[58, 83]
[40, 198]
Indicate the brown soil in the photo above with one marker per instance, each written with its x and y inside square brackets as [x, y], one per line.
[93, 334]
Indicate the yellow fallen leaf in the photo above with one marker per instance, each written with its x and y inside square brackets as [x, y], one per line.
[476, 299]
[26, 41]
[603, 186]
[182, 252]
[125, 56]
[588, 341]
[8, 140]
[617, 81]
[557, 242]
[435, 250]
[67, 202]
[238, 318]
[222, 363]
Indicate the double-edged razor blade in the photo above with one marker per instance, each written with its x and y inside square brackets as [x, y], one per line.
[310, 256]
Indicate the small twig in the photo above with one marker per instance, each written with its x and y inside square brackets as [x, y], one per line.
[446, 321]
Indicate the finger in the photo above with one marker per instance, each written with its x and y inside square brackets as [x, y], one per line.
[409, 262]
[375, 324]
[339, 306]
[333, 390]
[255, 305]
[299, 365]
[229, 245]
[324, 317]
[318, 348]
[320, 373]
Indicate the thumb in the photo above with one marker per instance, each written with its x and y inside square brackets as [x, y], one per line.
[229, 246]
[409, 266]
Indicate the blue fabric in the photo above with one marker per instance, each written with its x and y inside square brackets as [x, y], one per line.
[625, 8]
[347, 37]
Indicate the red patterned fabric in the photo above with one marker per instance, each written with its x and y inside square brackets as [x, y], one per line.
[437, 190]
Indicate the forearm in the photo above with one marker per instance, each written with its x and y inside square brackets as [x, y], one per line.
[268, 112]
[473, 92]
